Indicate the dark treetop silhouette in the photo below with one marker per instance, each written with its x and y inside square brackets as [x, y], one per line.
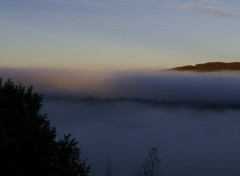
[28, 144]
[210, 67]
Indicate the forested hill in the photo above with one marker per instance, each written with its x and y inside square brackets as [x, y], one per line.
[210, 67]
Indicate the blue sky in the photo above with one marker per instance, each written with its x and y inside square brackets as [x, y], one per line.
[117, 34]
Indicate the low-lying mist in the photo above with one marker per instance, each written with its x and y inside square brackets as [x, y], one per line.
[191, 141]
[168, 86]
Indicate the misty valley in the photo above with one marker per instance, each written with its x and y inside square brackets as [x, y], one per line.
[119, 88]
[193, 121]
[191, 118]
[190, 141]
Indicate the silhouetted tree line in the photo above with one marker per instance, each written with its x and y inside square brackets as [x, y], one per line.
[28, 144]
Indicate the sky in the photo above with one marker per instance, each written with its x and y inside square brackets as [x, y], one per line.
[117, 34]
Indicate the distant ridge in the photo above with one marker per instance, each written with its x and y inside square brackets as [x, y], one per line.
[94, 100]
[211, 67]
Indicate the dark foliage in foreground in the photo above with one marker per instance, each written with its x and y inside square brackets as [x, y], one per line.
[28, 144]
[151, 165]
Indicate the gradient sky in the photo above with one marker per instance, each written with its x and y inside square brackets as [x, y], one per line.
[118, 34]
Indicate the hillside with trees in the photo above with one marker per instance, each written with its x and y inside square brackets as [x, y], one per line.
[211, 67]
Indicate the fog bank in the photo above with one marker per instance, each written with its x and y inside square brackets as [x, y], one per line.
[190, 142]
[168, 86]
